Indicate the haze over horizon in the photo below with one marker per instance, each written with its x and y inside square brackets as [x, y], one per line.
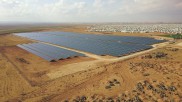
[90, 11]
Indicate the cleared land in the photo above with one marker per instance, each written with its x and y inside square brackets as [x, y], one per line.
[150, 75]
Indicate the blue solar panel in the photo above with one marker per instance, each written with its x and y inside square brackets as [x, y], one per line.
[75, 36]
[36, 53]
[97, 44]
[49, 52]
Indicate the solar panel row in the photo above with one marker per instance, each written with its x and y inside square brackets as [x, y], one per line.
[96, 44]
[49, 52]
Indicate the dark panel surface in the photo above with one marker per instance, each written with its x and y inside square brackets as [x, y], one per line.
[49, 52]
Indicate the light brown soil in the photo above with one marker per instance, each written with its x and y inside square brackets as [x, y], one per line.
[164, 70]
[12, 84]
[179, 44]
[36, 80]
[11, 40]
[34, 68]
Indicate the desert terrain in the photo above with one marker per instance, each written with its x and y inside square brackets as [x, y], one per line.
[154, 75]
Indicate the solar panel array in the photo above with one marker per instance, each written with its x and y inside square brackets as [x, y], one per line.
[96, 44]
[48, 52]
[112, 38]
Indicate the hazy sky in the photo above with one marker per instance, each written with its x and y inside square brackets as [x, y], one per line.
[91, 10]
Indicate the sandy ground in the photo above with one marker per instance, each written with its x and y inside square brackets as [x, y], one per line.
[11, 40]
[93, 78]
[11, 80]
[129, 73]
[179, 44]
[34, 68]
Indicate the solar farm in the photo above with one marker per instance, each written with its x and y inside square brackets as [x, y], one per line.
[96, 44]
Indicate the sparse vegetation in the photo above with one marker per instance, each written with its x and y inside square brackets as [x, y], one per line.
[111, 84]
[145, 91]
[157, 55]
[175, 36]
[23, 60]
